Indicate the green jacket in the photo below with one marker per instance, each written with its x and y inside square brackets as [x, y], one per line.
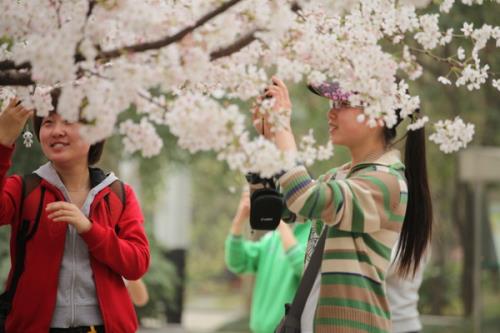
[277, 274]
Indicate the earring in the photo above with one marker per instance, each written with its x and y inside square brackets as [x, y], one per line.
[27, 137]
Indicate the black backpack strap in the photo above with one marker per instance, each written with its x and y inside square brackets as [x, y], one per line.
[30, 182]
[24, 234]
[294, 311]
[118, 188]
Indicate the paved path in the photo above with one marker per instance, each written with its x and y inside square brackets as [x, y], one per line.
[201, 316]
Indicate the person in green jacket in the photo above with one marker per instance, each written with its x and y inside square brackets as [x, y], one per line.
[277, 260]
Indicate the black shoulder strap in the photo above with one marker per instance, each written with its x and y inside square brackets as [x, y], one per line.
[28, 182]
[118, 188]
[294, 311]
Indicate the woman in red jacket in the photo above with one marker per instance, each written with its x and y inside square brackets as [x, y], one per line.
[84, 234]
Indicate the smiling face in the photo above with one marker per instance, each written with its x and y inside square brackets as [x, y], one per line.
[346, 130]
[61, 141]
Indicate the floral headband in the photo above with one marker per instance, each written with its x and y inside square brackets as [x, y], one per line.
[331, 90]
[336, 94]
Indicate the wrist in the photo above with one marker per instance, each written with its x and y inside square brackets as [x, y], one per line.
[236, 230]
[285, 140]
[84, 226]
[283, 226]
[241, 216]
[237, 226]
[7, 142]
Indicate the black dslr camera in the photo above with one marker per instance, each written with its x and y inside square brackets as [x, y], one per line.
[267, 205]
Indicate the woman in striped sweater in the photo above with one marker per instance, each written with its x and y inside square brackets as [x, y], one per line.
[365, 206]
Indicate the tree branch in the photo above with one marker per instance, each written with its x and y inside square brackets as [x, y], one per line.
[234, 47]
[15, 79]
[24, 79]
[105, 56]
[296, 7]
[9, 64]
[92, 4]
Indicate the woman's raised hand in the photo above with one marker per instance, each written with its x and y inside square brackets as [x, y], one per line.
[12, 121]
[282, 105]
[244, 205]
[261, 119]
[279, 92]
[242, 214]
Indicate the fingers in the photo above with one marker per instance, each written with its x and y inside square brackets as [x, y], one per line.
[258, 124]
[23, 113]
[62, 215]
[17, 110]
[58, 205]
[62, 211]
[279, 83]
[273, 90]
[13, 103]
[279, 91]
[276, 92]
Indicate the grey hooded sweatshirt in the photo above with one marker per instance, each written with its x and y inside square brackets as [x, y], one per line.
[77, 303]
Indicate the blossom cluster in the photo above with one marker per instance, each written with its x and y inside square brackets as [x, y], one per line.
[308, 152]
[141, 137]
[452, 135]
[107, 56]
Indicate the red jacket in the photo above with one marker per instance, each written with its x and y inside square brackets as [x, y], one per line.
[112, 255]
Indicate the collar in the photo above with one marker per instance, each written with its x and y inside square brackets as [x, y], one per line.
[98, 179]
[390, 159]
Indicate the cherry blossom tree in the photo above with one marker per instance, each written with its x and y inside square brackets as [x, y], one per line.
[187, 64]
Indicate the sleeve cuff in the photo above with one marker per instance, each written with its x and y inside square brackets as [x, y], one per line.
[295, 250]
[294, 179]
[95, 236]
[290, 252]
[234, 238]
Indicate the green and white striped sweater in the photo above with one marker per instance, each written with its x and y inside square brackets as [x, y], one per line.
[364, 213]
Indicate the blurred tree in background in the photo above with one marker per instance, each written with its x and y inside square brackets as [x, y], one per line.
[447, 289]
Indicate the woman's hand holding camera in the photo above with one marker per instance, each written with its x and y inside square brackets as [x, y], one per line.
[12, 121]
[282, 104]
[283, 135]
[279, 92]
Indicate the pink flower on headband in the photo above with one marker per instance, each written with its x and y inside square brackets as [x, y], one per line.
[331, 90]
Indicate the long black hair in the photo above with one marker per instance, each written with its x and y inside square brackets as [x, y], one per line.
[417, 227]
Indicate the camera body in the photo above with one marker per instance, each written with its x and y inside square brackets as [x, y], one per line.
[267, 205]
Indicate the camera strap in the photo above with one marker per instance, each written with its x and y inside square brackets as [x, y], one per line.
[294, 310]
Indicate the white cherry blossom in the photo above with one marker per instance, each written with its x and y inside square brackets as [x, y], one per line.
[157, 61]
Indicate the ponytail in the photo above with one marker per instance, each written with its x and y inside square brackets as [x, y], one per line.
[417, 226]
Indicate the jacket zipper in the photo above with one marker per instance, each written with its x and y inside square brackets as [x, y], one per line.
[73, 276]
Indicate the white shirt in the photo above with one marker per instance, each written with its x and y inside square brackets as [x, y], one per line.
[403, 298]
